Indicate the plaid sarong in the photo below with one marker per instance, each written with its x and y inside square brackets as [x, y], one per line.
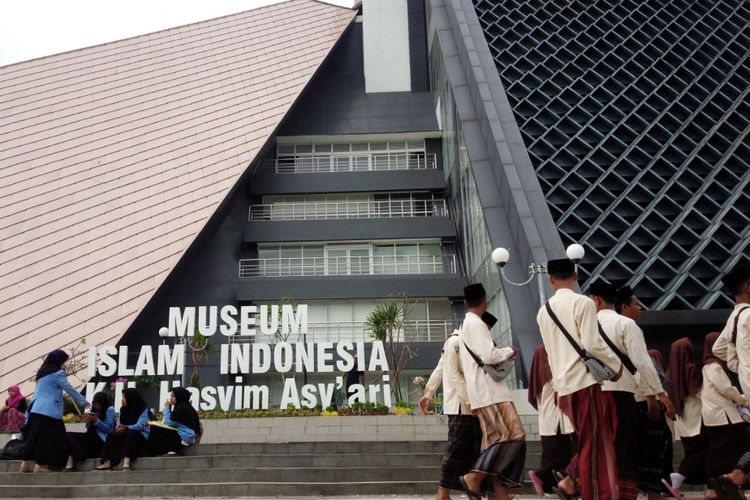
[464, 439]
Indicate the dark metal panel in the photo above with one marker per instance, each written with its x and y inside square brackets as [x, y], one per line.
[348, 182]
[350, 287]
[349, 229]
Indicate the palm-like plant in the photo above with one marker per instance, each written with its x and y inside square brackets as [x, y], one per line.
[387, 323]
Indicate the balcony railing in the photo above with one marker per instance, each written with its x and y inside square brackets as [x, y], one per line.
[352, 331]
[348, 210]
[349, 162]
[353, 265]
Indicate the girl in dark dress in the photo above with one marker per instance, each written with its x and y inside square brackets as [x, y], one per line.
[99, 422]
[44, 435]
[128, 441]
[179, 414]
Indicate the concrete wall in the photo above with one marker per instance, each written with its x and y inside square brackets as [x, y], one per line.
[386, 46]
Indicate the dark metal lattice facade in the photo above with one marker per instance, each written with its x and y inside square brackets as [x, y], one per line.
[636, 118]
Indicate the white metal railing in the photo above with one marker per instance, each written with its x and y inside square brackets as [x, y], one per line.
[349, 162]
[348, 210]
[352, 265]
[351, 331]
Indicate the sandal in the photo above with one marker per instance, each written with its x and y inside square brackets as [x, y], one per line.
[675, 492]
[536, 483]
[562, 495]
[472, 495]
[728, 490]
[103, 467]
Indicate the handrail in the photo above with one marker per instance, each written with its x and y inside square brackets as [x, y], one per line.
[348, 210]
[352, 265]
[348, 162]
[420, 330]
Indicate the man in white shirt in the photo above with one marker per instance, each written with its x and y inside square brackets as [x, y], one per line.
[503, 436]
[655, 444]
[736, 351]
[464, 431]
[627, 338]
[579, 393]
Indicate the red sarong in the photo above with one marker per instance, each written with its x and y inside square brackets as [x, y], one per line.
[593, 465]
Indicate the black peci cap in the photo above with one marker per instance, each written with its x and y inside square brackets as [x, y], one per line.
[474, 291]
[736, 276]
[604, 290]
[561, 266]
[623, 294]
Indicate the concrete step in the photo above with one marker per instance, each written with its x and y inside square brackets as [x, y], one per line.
[229, 475]
[258, 460]
[359, 447]
[224, 489]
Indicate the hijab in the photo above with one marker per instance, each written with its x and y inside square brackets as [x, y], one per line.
[540, 374]
[14, 401]
[52, 363]
[658, 360]
[183, 412]
[684, 374]
[134, 406]
[102, 399]
[708, 354]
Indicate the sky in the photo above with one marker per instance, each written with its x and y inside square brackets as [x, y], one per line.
[37, 28]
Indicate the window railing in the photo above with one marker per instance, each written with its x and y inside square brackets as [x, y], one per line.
[349, 162]
[352, 265]
[421, 330]
[348, 210]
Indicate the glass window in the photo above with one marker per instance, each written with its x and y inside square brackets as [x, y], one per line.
[303, 148]
[341, 148]
[396, 145]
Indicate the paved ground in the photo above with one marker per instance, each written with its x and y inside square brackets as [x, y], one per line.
[689, 495]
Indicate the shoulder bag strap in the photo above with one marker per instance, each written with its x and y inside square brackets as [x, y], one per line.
[476, 358]
[736, 323]
[583, 354]
[623, 358]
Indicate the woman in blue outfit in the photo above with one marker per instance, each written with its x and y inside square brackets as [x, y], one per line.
[180, 414]
[100, 421]
[128, 441]
[46, 441]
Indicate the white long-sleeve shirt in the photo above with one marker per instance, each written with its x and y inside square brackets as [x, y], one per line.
[688, 424]
[737, 357]
[482, 390]
[719, 397]
[551, 419]
[578, 314]
[449, 373]
[628, 338]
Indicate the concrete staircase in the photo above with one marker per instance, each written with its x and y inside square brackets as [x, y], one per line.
[268, 469]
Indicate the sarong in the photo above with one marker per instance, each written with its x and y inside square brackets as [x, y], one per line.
[654, 450]
[11, 420]
[726, 444]
[623, 415]
[557, 451]
[462, 451]
[693, 465]
[593, 465]
[503, 444]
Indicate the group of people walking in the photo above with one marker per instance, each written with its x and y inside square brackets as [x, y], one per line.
[606, 403]
[133, 433]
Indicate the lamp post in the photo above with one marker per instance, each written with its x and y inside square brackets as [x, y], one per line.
[501, 256]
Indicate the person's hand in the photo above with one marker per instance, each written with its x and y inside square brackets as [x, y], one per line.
[4, 409]
[617, 375]
[91, 418]
[669, 409]
[515, 351]
[653, 412]
[424, 403]
[120, 428]
[86, 405]
[167, 402]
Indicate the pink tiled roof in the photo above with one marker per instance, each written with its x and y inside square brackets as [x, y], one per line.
[113, 157]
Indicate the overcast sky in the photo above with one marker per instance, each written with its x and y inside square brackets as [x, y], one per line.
[36, 28]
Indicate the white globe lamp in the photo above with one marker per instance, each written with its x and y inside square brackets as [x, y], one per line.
[500, 256]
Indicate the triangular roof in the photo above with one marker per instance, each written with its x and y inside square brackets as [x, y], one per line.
[113, 158]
